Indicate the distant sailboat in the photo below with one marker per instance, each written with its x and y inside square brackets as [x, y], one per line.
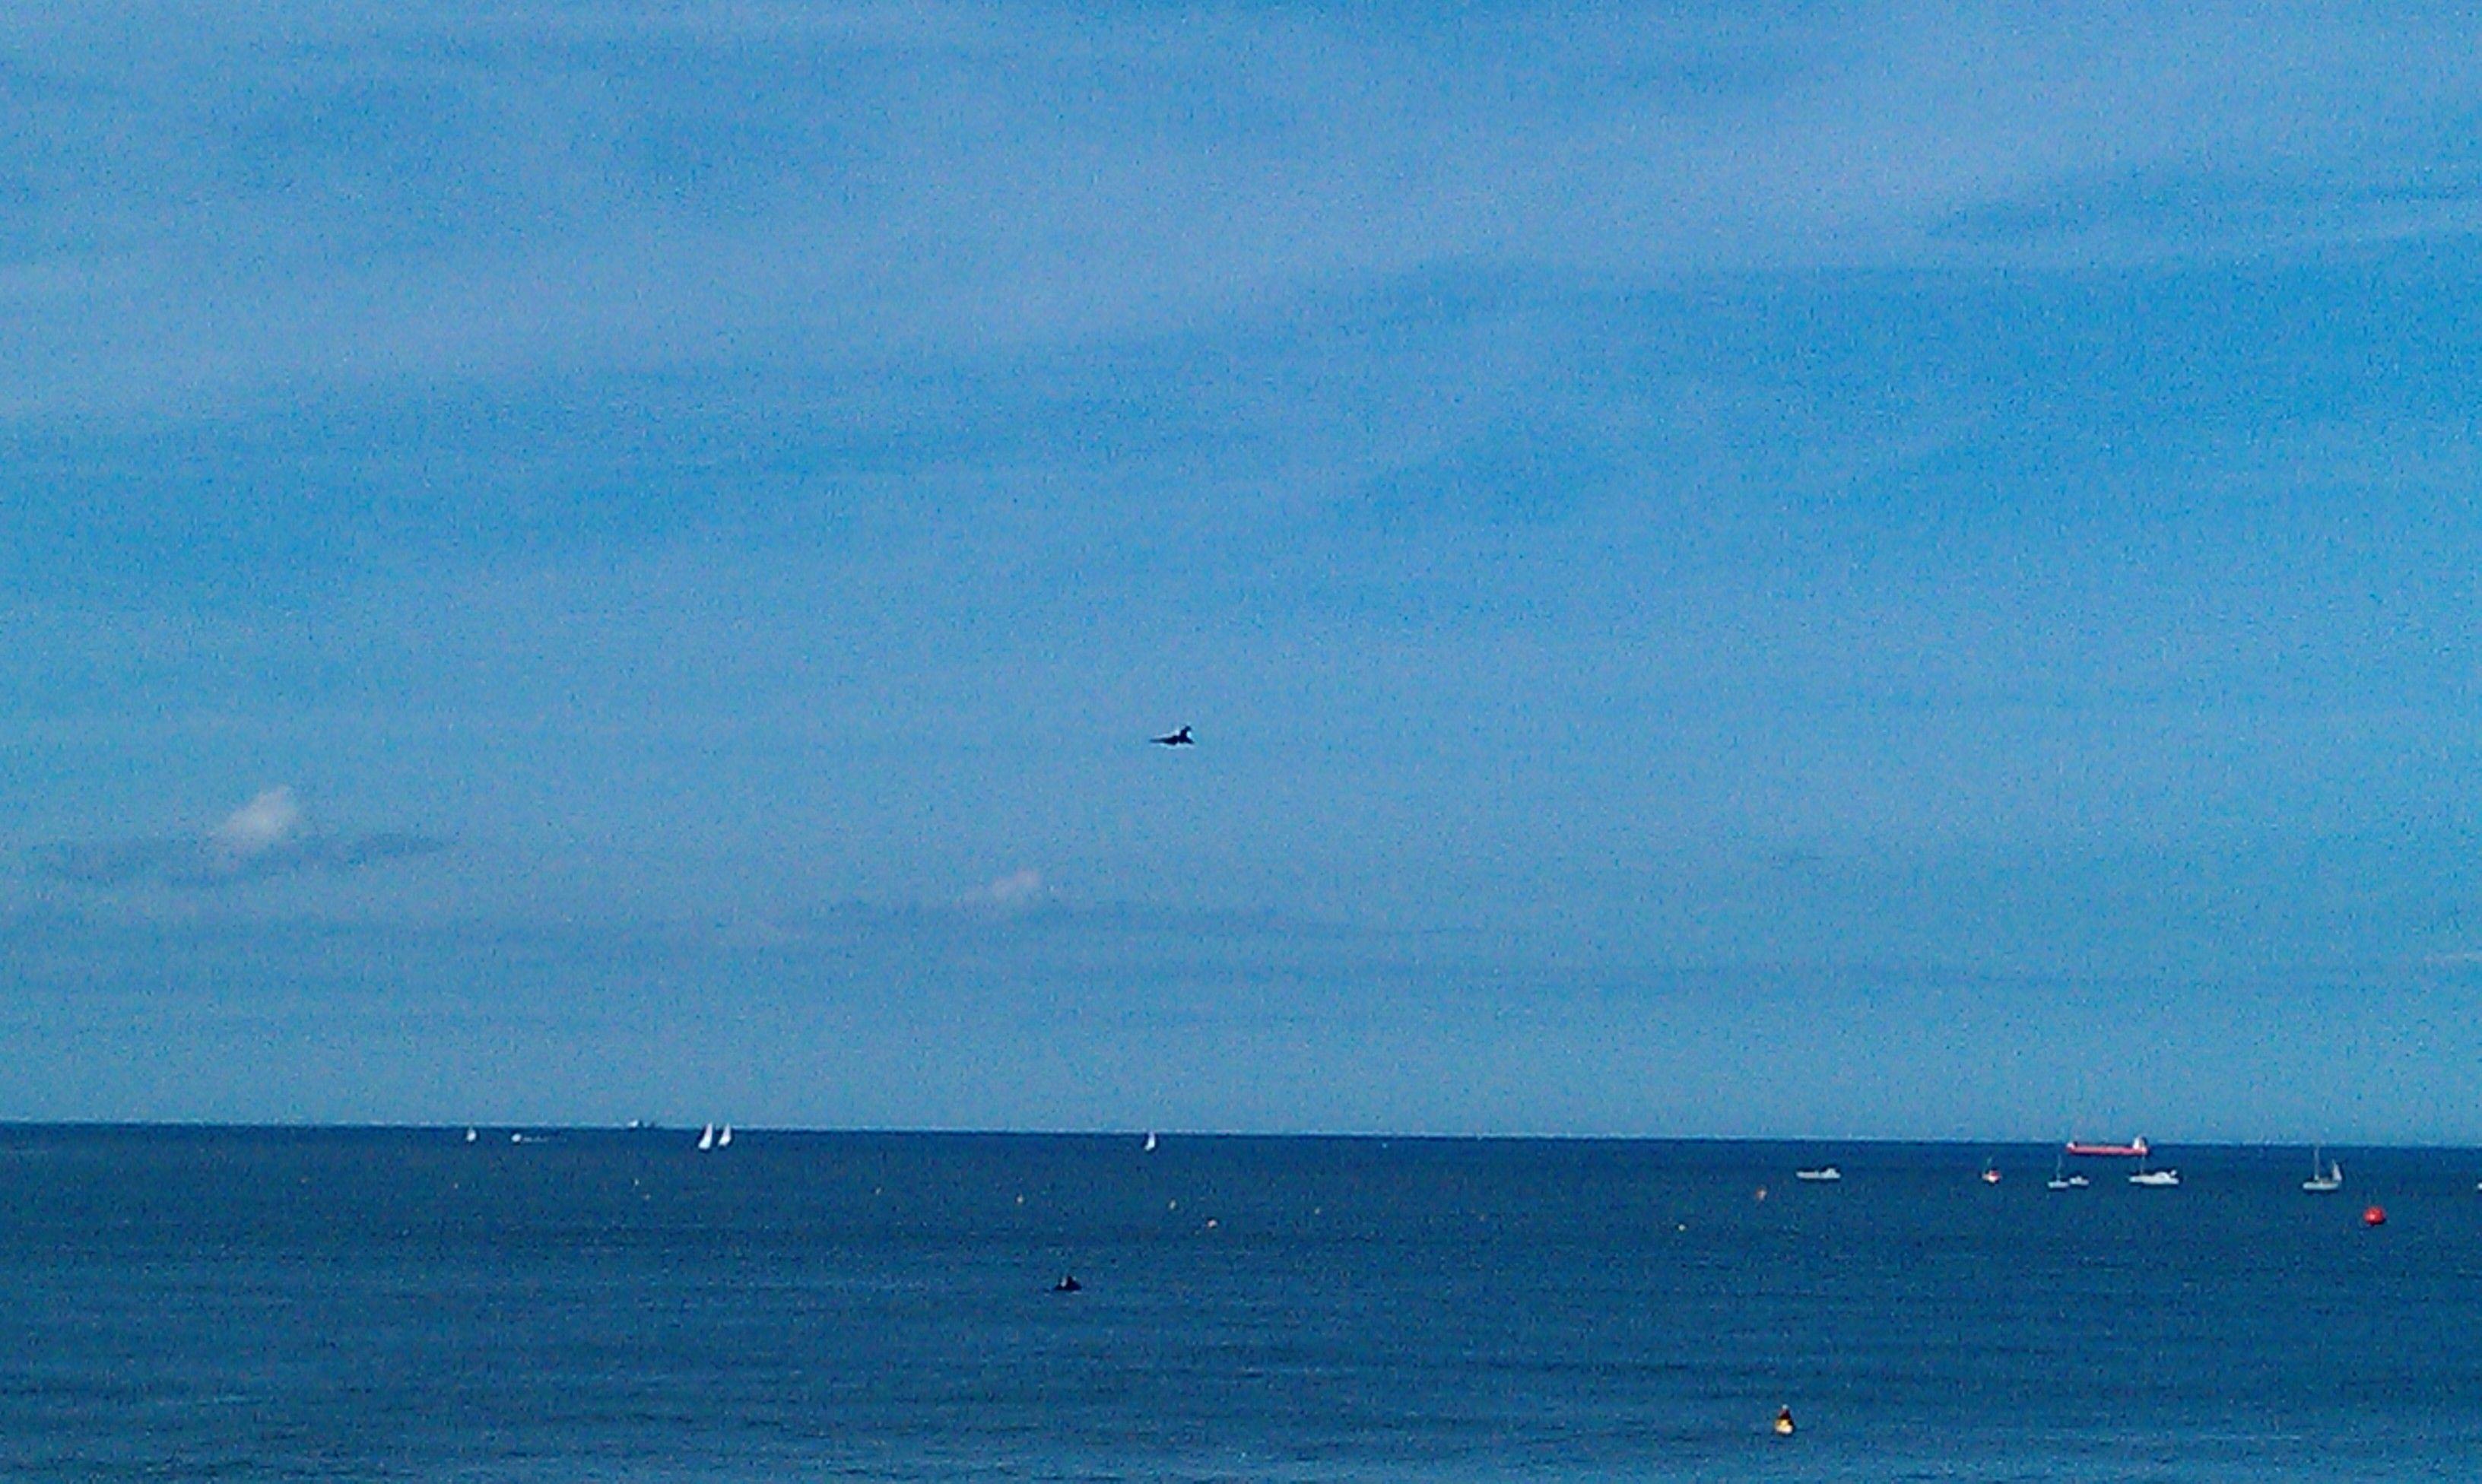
[2323, 1179]
[706, 1137]
[1825, 1172]
[2157, 1178]
[1150, 1144]
[724, 1136]
[1989, 1172]
[471, 1135]
[2062, 1180]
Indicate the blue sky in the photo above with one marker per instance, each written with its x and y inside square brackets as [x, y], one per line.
[1842, 570]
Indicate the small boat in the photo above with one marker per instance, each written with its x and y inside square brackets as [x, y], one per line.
[1822, 1173]
[1989, 1173]
[1151, 1145]
[471, 1135]
[2157, 1178]
[706, 1137]
[2062, 1180]
[724, 1136]
[2134, 1148]
[2323, 1179]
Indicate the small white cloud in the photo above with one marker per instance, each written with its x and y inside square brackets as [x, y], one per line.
[267, 837]
[1013, 892]
[265, 823]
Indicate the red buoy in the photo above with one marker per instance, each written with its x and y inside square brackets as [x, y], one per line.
[2374, 1216]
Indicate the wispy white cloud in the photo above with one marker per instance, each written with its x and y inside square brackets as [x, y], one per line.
[350, 194]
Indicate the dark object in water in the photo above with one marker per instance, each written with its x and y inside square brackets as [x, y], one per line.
[1068, 1283]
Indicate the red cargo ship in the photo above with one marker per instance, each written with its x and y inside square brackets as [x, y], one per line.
[2134, 1148]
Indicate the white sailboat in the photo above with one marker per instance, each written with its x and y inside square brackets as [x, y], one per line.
[724, 1136]
[706, 1137]
[2062, 1180]
[1150, 1144]
[2323, 1179]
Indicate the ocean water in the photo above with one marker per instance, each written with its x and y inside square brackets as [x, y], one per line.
[363, 1304]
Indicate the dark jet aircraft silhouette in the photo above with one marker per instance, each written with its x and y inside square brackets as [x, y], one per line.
[1179, 739]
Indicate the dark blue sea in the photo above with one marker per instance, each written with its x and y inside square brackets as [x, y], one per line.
[392, 1304]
